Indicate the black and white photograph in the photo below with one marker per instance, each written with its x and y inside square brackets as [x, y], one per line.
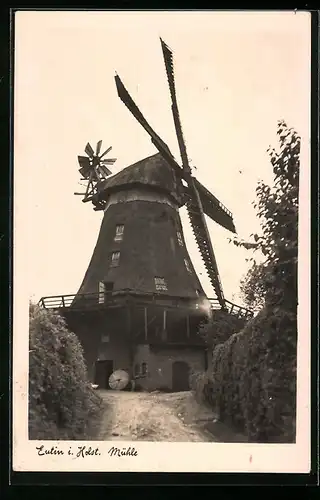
[161, 241]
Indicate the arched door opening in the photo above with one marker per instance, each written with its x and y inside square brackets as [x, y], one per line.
[180, 376]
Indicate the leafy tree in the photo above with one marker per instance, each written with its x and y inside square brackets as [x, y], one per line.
[252, 381]
[274, 280]
[253, 286]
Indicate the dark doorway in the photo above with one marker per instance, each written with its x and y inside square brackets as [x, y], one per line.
[103, 370]
[108, 288]
[180, 376]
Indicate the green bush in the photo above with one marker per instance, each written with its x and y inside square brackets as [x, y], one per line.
[220, 328]
[252, 381]
[268, 381]
[254, 371]
[62, 404]
[201, 385]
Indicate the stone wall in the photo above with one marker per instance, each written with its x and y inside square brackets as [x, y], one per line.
[105, 336]
[159, 364]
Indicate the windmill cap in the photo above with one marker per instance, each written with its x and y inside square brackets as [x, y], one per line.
[152, 171]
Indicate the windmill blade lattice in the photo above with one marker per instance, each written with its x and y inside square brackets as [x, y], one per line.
[199, 199]
[133, 108]
[194, 205]
[168, 60]
[198, 223]
[213, 208]
[201, 234]
[211, 205]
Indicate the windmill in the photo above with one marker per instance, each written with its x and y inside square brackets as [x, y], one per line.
[199, 201]
[141, 302]
[93, 169]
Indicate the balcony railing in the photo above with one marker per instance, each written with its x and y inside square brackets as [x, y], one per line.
[101, 300]
[232, 308]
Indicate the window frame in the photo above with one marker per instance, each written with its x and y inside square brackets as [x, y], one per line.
[115, 260]
[101, 292]
[161, 286]
[119, 235]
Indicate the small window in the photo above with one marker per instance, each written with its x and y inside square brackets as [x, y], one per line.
[105, 338]
[119, 232]
[160, 283]
[179, 236]
[144, 369]
[115, 257]
[101, 292]
[187, 265]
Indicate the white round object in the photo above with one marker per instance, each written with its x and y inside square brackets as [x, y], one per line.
[119, 380]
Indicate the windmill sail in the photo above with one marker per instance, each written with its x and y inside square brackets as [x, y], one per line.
[194, 206]
[198, 223]
[210, 202]
[131, 105]
[211, 205]
[213, 208]
[199, 200]
[202, 237]
[168, 59]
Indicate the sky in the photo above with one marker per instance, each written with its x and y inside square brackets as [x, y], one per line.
[237, 74]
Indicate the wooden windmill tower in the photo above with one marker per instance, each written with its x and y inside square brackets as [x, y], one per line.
[141, 302]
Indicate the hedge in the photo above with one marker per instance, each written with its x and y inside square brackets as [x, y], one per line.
[252, 381]
[62, 404]
[220, 328]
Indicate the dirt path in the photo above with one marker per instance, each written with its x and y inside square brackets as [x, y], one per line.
[138, 416]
